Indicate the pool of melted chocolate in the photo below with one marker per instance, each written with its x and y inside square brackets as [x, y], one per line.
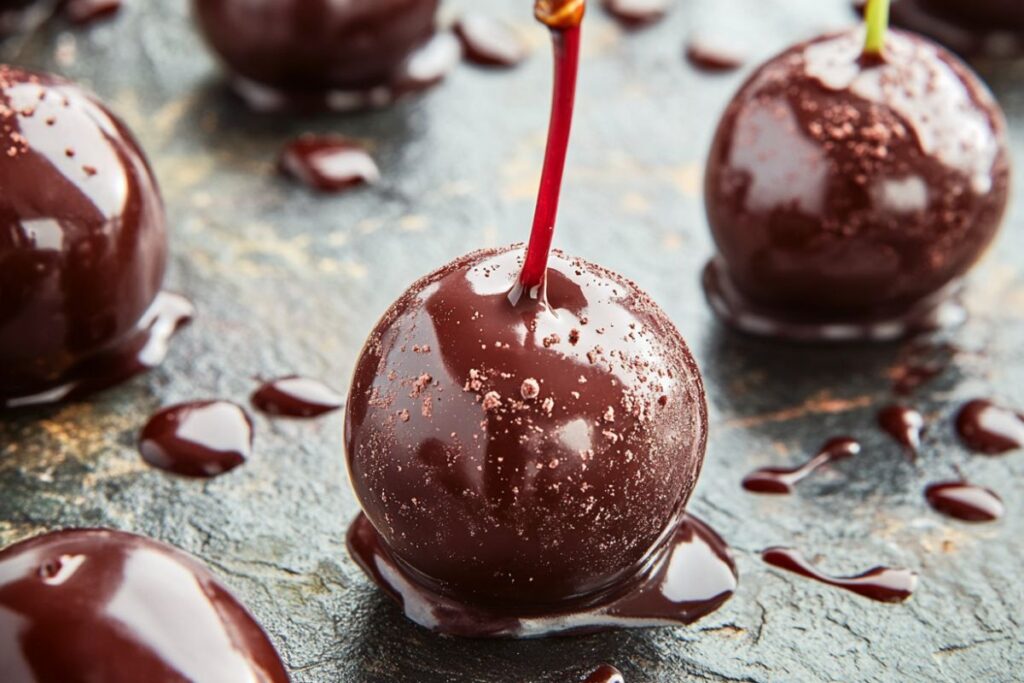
[689, 576]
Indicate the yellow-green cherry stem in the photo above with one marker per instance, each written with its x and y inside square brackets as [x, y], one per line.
[877, 19]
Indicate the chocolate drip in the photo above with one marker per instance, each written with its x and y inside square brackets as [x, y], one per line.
[328, 163]
[881, 584]
[198, 439]
[296, 397]
[965, 501]
[781, 480]
[903, 424]
[988, 428]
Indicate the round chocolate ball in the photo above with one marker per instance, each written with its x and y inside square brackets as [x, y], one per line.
[315, 45]
[852, 192]
[82, 236]
[88, 605]
[524, 456]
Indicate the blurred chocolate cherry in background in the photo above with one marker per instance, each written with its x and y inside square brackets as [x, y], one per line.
[523, 433]
[83, 246]
[284, 53]
[851, 184]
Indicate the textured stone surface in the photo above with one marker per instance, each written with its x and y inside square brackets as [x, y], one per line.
[286, 281]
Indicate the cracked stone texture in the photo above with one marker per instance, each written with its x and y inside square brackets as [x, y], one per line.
[286, 281]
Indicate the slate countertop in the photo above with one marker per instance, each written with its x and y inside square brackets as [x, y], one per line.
[286, 281]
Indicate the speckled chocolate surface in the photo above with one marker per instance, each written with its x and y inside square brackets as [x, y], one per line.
[287, 281]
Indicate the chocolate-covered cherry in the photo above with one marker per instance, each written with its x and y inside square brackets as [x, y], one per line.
[524, 435]
[89, 605]
[305, 46]
[848, 192]
[83, 245]
[524, 454]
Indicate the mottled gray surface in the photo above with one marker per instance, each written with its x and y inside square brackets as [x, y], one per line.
[286, 281]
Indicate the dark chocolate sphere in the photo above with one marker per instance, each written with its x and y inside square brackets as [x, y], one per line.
[314, 45]
[82, 237]
[519, 457]
[842, 190]
[83, 606]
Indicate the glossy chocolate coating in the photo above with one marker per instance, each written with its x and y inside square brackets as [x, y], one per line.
[522, 457]
[82, 606]
[83, 242]
[313, 45]
[843, 191]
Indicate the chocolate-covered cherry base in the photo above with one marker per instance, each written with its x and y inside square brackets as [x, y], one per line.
[847, 196]
[82, 606]
[690, 576]
[83, 246]
[991, 29]
[338, 55]
[524, 459]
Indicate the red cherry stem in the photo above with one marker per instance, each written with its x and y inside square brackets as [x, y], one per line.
[563, 18]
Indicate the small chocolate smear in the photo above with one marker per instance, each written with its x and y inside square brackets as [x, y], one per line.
[637, 13]
[489, 42]
[199, 439]
[965, 501]
[778, 480]
[881, 584]
[328, 163]
[903, 424]
[296, 397]
[708, 55]
[988, 428]
[606, 673]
